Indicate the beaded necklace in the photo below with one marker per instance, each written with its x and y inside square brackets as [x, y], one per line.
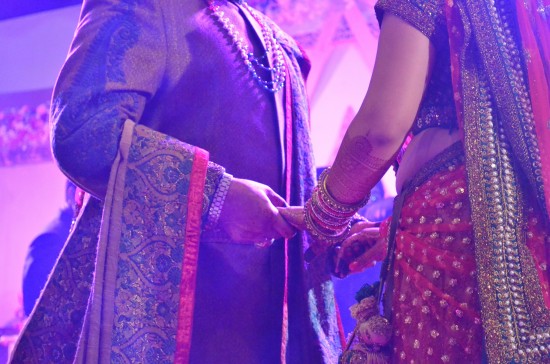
[276, 74]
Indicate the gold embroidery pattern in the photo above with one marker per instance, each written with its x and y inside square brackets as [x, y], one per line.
[517, 326]
[54, 328]
[508, 76]
[149, 269]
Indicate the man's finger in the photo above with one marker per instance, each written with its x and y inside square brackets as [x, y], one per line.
[275, 199]
[282, 227]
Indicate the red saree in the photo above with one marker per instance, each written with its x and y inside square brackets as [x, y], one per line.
[434, 306]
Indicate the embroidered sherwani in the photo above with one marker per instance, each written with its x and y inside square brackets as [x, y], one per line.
[152, 104]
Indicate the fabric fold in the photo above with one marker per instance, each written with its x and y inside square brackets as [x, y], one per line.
[130, 297]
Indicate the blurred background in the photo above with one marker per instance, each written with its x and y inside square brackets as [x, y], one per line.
[338, 35]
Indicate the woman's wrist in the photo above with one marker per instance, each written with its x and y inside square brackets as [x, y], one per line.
[328, 221]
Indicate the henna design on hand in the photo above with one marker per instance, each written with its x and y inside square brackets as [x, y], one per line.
[357, 153]
[356, 169]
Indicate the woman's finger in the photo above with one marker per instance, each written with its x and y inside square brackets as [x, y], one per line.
[369, 258]
[294, 215]
[363, 224]
[354, 246]
[366, 236]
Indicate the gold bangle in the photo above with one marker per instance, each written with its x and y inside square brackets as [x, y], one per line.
[321, 236]
[333, 202]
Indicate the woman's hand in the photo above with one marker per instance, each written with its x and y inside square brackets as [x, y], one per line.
[294, 215]
[361, 250]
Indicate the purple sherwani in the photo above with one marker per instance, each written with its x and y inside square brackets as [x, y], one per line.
[169, 65]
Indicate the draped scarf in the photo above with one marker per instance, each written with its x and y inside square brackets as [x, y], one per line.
[499, 58]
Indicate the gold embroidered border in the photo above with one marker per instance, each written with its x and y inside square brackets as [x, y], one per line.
[515, 319]
[506, 73]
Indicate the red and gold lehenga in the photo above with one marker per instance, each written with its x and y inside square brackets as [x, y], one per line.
[470, 237]
[435, 305]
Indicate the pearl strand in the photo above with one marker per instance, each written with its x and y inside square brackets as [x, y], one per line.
[273, 48]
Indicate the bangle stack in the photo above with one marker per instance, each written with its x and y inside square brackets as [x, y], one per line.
[217, 201]
[327, 220]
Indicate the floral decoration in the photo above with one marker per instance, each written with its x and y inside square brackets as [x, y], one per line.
[24, 135]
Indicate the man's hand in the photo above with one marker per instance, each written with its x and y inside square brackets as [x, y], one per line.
[250, 215]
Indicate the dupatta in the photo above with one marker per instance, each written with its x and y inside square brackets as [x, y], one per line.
[501, 81]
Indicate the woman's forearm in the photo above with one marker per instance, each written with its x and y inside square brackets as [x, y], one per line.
[362, 160]
[401, 71]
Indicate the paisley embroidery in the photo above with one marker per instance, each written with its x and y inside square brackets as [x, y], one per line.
[86, 112]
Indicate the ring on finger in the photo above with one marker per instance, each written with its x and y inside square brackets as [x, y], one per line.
[264, 243]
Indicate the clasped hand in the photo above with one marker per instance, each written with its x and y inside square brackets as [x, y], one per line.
[360, 250]
[250, 214]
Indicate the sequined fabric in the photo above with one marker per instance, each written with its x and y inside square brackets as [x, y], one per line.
[503, 158]
[435, 307]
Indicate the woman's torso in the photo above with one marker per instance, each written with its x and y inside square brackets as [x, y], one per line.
[423, 148]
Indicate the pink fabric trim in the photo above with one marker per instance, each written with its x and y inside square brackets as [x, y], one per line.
[341, 334]
[190, 257]
[288, 184]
